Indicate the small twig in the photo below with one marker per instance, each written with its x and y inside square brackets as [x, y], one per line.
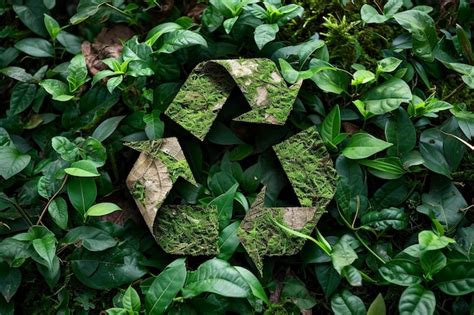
[51, 200]
[454, 92]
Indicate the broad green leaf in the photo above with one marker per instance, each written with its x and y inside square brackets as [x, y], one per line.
[264, 34]
[388, 64]
[328, 278]
[432, 151]
[131, 300]
[154, 125]
[216, 276]
[36, 47]
[331, 126]
[65, 148]
[22, 96]
[302, 51]
[112, 83]
[31, 14]
[423, 30]
[342, 254]
[82, 193]
[362, 77]
[287, 71]
[18, 74]
[228, 241]
[45, 247]
[52, 26]
[180, 39]
[106, 128]
[224, 204]
[107, 269]
[352, 275]
[401, 132]
[370, 15]
[83, 168]
[329, 79]
[456, 278]
[387, 167]
[102, 208]
[444, 202]
[86, 9]
[57, 209]
[295, 291]
[428, 240]
[254, 284]
[229, 24]
[387, 96]
[432, 262]
[77, 73]
[58, 89]
[385, 219]
[94, 152]
[416, 300]
[91, 238]
[378, 306]
[51, 275]
[155, 33]
[391, 7]
[363, 145]
[401, 272]
[10, 278]
[345, 303]
[70, 42]
[165, 287]
[12, 161]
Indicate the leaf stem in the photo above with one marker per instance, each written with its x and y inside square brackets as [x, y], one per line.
[369, 249]
[51, 200]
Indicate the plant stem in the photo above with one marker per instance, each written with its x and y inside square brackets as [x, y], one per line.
[51, 200]
[369, 249]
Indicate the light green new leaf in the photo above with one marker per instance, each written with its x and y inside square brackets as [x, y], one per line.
[155, 33]
[388, 64]
[57, 209]
[180, 39]
[428, 240]
[101, 209]
[363, 145]
[52, 26]
[254, 284]
[378, 306]
[416, 300]
[131, 300]
[370, 15]
[82, 168]
[58, 89]
[77, 73]
[165, 287]
[154, 126]
[45, 247]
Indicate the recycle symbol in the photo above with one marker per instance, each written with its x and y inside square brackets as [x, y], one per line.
[302, 156]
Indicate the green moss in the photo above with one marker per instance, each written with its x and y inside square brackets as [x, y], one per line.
[187, 230]
[138, 192]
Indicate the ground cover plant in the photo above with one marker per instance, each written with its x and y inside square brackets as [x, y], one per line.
[387, 84]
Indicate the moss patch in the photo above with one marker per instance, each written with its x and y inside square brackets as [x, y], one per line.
[187, 230]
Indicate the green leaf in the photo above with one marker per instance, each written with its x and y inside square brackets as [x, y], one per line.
[386, 96]
[264, 34]
[45, 247]
[432, 151]
[342, 253]
[387, 167]
[423, 30]
[101, 209]
[378, 306]
[295, 291]
[36, 47]
[385, 219]
[401, 272]
[131, 300]
[363, 145]
[328, 78]
[345, 303]
[57, 209]
[165, 287]
[392, 7]
[388, 64]
[70, 42]
[370, 15]
[328, 278]
[10, 278]
[456, 278]
[416, 300]
[112, 83]
[154, 127]
[331, 126]
[31, 14]
[83, 168]
[52, 26]
[65, 148]
[401, 132]
[12, 161]
[21, 98]
[180, 39]
[18, 74]
[432, 262]
[82, 193]
[216, 276]
[228, 241]
[352, 275]
[254, 284]
[362, 77]
[428, 240]
[94, 152]
[106, 128]
[86, 9]
[229, 24]
[58, 89]
[224, 204]
[91, 238]
[155, 33]
[77, 73]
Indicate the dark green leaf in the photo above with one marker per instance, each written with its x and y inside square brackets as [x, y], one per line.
[416, 300]
[456, 278]
[401, 272]
[21, 98]
[91, 238]
[228, 241]
[82, 193]
[12, 161]
[36, 47]
[387, 218]
[345, 303]
[57, 209]
[10, 278]
[401, 132]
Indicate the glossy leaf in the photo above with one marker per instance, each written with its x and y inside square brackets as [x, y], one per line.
[363, 145]
[416, 300]
[345, 303]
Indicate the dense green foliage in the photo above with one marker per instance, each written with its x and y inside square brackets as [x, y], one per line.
[388, 84]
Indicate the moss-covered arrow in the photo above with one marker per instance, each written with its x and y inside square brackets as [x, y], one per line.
[194, 229]
[209, 85]
[178, 229]
[309, 168]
